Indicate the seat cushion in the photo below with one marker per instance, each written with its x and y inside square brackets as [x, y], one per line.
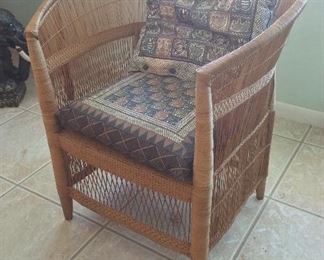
[147, 117]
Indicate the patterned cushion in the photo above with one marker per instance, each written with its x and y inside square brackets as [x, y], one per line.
[147, 117]
[241, 18]
[181, 35]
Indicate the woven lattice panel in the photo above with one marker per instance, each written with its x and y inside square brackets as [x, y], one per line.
[238, 176]
[164, 213]
[73, 80]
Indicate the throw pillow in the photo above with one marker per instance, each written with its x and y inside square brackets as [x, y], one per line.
[182, 35]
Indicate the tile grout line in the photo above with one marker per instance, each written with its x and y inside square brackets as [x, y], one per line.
[36, 113]
[287, 138]
[84, 246]
[311, 144]
[290, 159]
[314, 145]
[303, 140]
[106, 227]
[86, 243]
[19, 185]
[253, 219]
[58, 204]
[31, 106]
[136, 242]
[6, 192]
[251, 227]
[27, 177]
[8, 180]
[291, 138]
[296, 207]
[289, 162]
[33, 173]
[23, 110]
[102, 226]
[247, 234]
[13, 117]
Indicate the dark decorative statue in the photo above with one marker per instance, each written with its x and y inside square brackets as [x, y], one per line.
[12, 78]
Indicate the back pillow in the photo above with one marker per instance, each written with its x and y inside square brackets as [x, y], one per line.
[242, 18]
[176, 39]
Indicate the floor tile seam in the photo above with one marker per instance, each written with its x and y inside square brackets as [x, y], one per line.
[86, 243]
[291, 159]
[103, 226]
[7, 191]
[13, 117]
[306, 134]
[314, 145]
[27, 108]
[288, 138]
[33, 173]
[38, 194]
[27, 177]
[285, 168]
[7, 180]
[31, 111]
[296, 207]
[248, 233]
[292, 138]
[136, 242]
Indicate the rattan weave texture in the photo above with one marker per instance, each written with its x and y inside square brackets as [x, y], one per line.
[78, 47]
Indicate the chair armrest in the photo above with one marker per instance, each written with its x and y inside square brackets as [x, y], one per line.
[247, 64]
[238, 101]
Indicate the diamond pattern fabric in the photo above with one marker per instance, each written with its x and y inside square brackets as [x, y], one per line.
[147, 117]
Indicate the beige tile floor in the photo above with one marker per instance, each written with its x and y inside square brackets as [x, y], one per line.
[287, 224]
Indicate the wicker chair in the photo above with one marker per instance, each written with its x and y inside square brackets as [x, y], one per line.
[77, 47]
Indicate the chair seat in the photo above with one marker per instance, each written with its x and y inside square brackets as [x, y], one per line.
[147, 117]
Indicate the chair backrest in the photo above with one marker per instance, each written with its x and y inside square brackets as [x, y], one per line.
[75, 35]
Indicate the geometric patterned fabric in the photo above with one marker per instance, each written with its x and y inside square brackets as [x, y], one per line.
[146, 117]
[181, 35]
[238, 18]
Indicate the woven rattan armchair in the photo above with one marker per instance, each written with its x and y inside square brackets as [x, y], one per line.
[78, 47]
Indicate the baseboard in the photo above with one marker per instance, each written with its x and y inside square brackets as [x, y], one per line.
[300, 114]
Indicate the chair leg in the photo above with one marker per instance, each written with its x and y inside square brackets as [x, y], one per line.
[203, 172]
[49, 108]
[62, 183]
[67, 207]
[200, 224]
[261, 189]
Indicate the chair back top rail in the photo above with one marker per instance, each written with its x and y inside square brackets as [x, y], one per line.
[63, 23]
